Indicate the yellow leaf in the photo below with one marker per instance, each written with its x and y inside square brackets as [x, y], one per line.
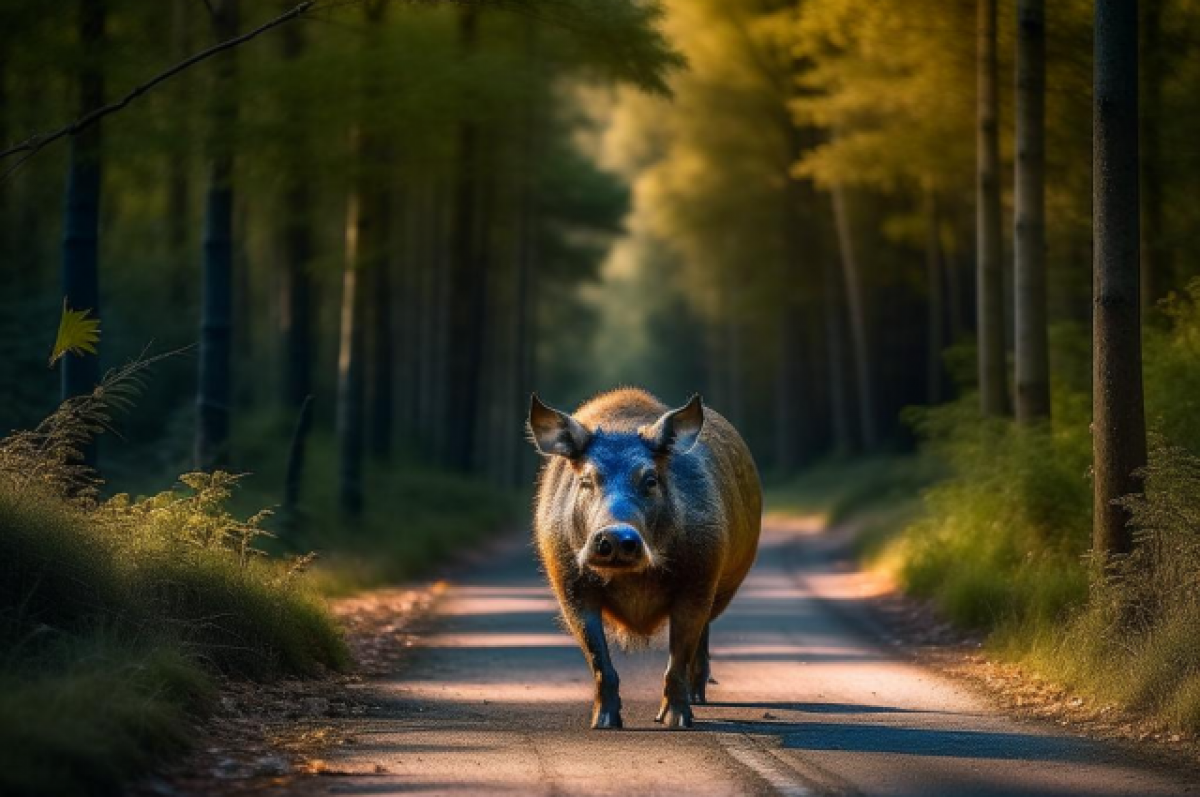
[77, 334]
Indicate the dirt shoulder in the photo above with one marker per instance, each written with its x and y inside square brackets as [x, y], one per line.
[917, 625]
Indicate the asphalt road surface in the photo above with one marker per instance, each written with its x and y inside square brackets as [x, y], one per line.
[809, 700]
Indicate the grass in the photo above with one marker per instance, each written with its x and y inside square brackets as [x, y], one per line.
[118, 617]
[839, 488]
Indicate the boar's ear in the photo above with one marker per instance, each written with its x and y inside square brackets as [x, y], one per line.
[554, 432]
[676, 431]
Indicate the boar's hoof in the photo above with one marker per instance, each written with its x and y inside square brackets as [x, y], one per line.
[606, 719]
[675, 715]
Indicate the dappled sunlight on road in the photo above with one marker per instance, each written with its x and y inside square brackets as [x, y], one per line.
[496, 698]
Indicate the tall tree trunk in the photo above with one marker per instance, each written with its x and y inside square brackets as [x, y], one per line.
[375, 164]
[179, 199]
[860, 341]
[835, 346]
[993, 391]
[382, 334]
[216, 324]
[296, 248]
[1118, 415]
[785, 394]
[529, 232]
[466, 283]
[350, 361]
[1032, 344]
[80, 244]
[1156, 265]
[936, 305]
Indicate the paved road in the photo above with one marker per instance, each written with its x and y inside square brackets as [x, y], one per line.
[496, 700]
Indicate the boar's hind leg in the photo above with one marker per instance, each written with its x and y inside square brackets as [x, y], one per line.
[606, 708]
[700, 672]
[688, 624]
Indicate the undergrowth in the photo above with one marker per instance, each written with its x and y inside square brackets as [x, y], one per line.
[1002, 542]
[414, 517]
[117, 615]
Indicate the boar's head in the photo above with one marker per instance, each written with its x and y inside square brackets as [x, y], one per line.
[619, 491]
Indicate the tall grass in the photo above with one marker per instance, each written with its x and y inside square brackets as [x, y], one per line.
[116, 615]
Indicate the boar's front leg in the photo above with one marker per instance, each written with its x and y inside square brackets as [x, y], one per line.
[606, 707]
[688, 623]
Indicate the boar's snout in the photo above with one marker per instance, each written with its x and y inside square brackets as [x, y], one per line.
[616, 546]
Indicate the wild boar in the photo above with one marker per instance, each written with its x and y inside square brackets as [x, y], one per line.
[644, 515]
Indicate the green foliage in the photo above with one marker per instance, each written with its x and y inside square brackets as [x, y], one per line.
[839, 488]
[417, 517]
[1002, 543]
[1001, 539]
[115, 615]
[83, 713]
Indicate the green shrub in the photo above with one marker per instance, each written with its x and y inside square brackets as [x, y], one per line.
[1002, 542]
[1001, 538]
[116, 615]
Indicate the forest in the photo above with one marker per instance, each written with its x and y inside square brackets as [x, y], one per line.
[923, 254]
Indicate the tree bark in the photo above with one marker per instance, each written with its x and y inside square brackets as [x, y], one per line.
[835, 352]
[296, 247]
[529, 231]
[466, 284]
[1032, 344]
[293, 480]
[179, 199]
[935, 304]
[216, 325]
[80, 243]
[1156, 264]
[993, 391]
[859, 338]
[1118, 414]
[350, 363]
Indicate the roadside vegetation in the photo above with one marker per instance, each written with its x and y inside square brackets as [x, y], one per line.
[118, 616]
[1001, 535]
[418, 516]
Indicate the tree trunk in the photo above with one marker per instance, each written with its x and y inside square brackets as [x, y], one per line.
[936, 305]
[293, 479]
[216, 324]
[1156, 265]
[1032, 344]
[529, 231]
[835, 347]
[1118, 415]
[179, 198]
[860, 341]
[993, 391]
[296, 248]
[382, 335]
[466, 284]
[80, 243]
[350, 364]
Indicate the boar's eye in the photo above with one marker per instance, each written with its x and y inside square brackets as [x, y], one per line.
[586, 482]
[650, 482]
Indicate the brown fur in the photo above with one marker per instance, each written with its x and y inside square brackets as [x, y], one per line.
[700, 554]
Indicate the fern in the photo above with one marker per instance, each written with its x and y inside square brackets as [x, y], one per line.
[51, 455]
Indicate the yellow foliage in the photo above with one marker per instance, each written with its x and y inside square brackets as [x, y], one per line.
[77, 334]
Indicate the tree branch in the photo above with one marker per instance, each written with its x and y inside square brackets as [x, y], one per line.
[35, 143]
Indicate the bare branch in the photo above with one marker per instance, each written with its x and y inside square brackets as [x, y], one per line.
[34, 144]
